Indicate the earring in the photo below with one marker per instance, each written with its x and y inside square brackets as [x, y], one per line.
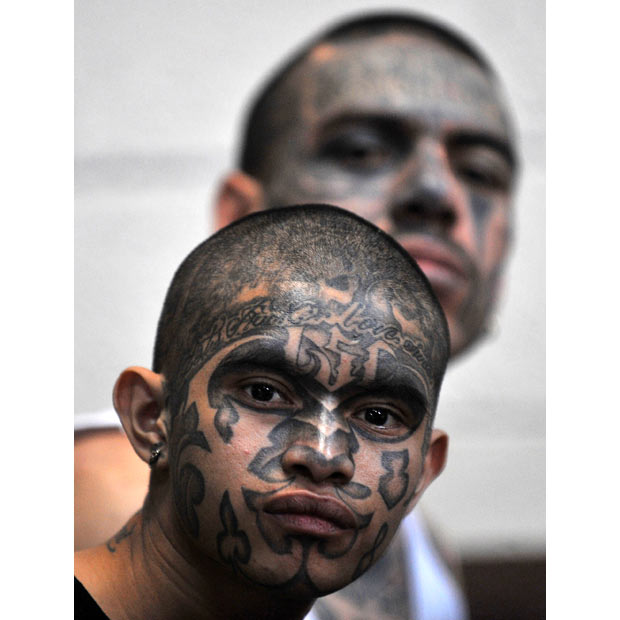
[155, 453]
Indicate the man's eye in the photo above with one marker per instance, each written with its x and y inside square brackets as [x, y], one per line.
[483, 169]
[479, 176]
[263, 392]
[362, 153]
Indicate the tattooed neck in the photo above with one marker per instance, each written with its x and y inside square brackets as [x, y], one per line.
[124, 533]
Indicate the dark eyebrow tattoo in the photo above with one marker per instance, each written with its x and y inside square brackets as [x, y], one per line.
[502, 146]
[266, 353]
[410, 395]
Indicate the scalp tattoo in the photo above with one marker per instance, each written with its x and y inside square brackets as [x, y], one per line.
[233, 283]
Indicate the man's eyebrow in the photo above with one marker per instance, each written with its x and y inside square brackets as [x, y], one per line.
[393, 124]
[269, 354]
[280, 366]
[382, 121]
[405, 392]
[262, 353]
[474, 138]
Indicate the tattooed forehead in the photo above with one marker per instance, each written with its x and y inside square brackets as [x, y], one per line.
[401, 73]
[343, 322]
[322, 367]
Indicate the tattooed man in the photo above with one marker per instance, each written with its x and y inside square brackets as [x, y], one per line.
[288, 422]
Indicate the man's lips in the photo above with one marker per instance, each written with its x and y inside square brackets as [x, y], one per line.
[311, 514]
[443, 267]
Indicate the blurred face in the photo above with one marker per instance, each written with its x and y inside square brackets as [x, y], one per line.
[299, 447]
[412, 136]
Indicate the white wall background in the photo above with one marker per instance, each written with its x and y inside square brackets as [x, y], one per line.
[160, 87]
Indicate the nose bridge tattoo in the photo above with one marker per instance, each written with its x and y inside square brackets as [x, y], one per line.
[328, 443]
[310, 448]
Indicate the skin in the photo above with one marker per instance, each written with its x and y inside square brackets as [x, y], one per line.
[311, 406]
[109, 482]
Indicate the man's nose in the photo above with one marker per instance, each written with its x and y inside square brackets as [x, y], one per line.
[427, 194]
[322, 454]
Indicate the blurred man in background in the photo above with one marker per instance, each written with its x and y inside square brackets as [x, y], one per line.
[401, 121]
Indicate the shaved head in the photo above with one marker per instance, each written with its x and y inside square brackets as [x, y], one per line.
[297, 266]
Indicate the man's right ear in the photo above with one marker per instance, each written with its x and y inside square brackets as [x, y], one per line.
[139, 402]
[238, 196]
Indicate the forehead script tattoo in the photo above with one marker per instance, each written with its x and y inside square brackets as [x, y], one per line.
[361, 320]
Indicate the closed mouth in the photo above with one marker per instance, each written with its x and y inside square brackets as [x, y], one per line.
[442, 265]
[311, 513]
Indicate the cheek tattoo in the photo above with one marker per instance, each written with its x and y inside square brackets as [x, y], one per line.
[189, 487]
[232, 543]
[393, 484]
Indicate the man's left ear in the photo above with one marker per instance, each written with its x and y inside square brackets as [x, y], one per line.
[139, 402]
[434, 463]
[239, 195]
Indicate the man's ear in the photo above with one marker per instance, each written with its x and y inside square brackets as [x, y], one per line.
[434, 463]
[139, 402]
[238, 196]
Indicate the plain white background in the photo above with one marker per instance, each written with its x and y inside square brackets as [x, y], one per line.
[160, 89]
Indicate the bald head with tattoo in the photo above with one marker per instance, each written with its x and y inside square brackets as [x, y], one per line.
[288, 421]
